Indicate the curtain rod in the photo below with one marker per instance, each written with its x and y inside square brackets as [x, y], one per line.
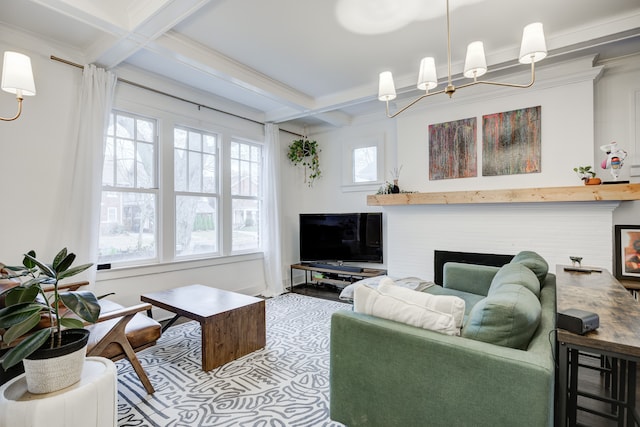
[199, 105]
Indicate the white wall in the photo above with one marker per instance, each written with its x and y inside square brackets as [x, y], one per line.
[617, 113]
[571, 119]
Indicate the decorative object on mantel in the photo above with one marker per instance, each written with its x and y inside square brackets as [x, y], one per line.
[587, 175]
[532, 49]
[511, 142]
[304, 152]
[53, 358]
[614, 161]
[395, 175]
[587, 193]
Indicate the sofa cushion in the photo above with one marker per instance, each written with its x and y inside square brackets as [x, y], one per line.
[469, 299]
[508, 318]
[533, 262]
[410, 307]
[516, 274]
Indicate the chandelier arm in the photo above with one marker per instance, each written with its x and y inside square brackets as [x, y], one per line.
[507, 84]
[411, 103]
[8, 119]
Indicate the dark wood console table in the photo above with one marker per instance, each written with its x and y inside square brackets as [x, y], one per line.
[333, 276]
[618, 337]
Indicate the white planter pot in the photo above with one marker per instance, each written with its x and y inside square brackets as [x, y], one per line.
[46, 373]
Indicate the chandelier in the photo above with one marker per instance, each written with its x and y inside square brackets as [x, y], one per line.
[532, 49]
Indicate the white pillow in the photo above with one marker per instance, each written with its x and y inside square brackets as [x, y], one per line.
[378, 302]
[448, 304]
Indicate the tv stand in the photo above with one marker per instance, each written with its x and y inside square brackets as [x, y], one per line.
[336, 275]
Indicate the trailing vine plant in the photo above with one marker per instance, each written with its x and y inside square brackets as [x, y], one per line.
[304, 152]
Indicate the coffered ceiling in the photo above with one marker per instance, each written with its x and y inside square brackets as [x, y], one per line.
[295, 60]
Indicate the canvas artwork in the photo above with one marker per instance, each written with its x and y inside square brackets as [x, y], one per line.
[627, 240]
[452, 149]
[511, 142]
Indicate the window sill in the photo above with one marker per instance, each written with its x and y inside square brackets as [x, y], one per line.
[144, 270]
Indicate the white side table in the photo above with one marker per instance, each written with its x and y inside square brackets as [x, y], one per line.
[89, 402]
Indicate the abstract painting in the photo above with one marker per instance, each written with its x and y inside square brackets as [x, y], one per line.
[452, 149]
[511, 142]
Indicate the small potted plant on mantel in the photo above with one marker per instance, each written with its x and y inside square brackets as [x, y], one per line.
[38, 299]
[587, 174]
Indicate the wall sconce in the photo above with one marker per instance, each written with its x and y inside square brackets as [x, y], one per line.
[17, 78]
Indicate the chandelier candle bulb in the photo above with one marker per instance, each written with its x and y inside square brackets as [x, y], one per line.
[533, 47]
[386, 88]
[475, 64]
[427, 77]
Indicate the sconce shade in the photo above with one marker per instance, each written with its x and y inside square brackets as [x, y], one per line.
[17, 76]
[533, 47]
[386, 88]
[475, 63]
[427, 78]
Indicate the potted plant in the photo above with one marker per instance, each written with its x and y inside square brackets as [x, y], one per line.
[305, 152]
[587, 174]
[35, 313]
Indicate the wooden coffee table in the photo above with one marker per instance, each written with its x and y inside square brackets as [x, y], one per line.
[232, 324]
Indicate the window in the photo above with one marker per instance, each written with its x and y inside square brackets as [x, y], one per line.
[195, 157]
[246, 193]
[129, 190]
[363, 164]
[178, 190]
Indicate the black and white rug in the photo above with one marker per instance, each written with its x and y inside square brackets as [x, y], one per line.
[285, 384]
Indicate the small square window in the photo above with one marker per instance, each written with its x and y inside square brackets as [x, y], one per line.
[363, 164]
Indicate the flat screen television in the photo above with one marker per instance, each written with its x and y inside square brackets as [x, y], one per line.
[346, 237]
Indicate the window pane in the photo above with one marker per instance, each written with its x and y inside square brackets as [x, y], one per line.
[179, 138]
[195, 172]
[209, 144]
[196, 225]
[195, 141]
[209, 174]
[125, 163]
[180, 170]
[365, 166]
[127, 226]
[145, 165]
[246, 225]
[125, 127]
[146, 130]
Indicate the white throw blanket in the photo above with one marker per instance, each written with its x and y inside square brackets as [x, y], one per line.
[413, 283]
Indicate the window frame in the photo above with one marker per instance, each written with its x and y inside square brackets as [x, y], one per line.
[348, 172]
[170, 114]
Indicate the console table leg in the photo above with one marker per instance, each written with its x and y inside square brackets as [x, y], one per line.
[561, 410]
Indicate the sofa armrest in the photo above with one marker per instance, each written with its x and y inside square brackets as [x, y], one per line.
[472, 278]
[384, 373]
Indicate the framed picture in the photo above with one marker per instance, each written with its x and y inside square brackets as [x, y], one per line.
[627, 261]
[452, 150]
[511, 142]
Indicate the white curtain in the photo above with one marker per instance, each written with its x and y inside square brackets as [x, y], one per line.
[82, 218]
[271, 213]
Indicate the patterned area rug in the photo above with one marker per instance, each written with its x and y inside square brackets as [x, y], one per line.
[284, 384]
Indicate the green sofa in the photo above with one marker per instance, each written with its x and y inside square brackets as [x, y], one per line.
[385, 373]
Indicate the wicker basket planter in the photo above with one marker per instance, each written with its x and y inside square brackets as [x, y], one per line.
[51, 369]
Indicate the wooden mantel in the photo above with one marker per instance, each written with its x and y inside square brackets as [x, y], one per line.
[579, 193]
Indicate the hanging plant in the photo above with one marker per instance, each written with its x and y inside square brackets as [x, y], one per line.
[304, 152]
